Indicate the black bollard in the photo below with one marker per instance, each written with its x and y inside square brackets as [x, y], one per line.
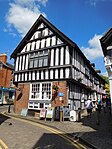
[9, 109]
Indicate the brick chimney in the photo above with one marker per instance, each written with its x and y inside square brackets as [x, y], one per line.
[3, 58]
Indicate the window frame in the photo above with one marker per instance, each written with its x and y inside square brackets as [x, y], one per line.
[40, 58]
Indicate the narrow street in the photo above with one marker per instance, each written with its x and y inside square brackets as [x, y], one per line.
[22, 134]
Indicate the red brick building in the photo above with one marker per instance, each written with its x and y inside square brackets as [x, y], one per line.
[6, 78]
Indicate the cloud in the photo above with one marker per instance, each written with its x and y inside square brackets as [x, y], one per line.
[22, 14]
[94, 50]
[43, 2]
[94, 2]
[105, 74]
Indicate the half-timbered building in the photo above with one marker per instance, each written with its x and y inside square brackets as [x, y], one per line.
[45, 59]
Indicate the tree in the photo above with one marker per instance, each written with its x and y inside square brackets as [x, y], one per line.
[107, 88]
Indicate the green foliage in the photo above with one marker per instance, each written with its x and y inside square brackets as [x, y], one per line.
[105, 78]
[107, 88]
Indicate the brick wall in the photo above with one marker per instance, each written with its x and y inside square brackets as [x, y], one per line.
[21, 97]
[5, 73]
[5, 77]
[55, 99]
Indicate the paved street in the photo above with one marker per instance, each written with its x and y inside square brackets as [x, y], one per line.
[19, 134]
[96, 136]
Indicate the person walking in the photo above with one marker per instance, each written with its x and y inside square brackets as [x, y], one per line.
[98, 110]
[104, 106]
[89, 106]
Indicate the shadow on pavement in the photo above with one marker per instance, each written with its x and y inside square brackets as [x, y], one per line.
[100, 135]
[52, 141]
[3, 119]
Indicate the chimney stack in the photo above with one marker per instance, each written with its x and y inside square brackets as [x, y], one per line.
[3, 58]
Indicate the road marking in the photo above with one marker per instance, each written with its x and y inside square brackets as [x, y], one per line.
[57, 132]
[3, 145]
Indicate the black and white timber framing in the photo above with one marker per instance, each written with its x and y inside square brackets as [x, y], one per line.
[45, 54]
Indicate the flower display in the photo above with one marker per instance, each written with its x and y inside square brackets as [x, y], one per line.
[55, 87]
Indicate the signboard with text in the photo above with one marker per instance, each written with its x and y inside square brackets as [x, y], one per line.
[50, 112]
[66, 112]
[24, 112]
[60, 94]
[57, 113]
[42, 113]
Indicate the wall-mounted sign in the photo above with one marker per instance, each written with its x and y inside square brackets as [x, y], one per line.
[60, 94]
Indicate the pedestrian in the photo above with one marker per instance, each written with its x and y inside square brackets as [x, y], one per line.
[104, 106]
[109, 106]
[89, 106]
[98, 110]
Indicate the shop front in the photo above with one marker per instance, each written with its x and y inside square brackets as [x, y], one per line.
[6, 95]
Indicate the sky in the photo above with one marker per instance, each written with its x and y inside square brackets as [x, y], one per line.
[83, 21]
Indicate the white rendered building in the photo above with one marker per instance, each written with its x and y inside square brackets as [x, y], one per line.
[106, 43]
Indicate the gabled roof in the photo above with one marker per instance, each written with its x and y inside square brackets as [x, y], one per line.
[40, 20]
[106, 40]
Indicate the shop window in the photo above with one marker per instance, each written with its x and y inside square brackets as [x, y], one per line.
[41, 91]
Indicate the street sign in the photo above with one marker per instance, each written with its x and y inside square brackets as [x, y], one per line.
[60, 94]
[24, 112]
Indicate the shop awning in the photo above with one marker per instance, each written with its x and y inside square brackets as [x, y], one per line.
[5, 89]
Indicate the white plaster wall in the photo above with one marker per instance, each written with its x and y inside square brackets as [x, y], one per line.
[57, 56]
[52, 57]
[67, 58]
[62, 55]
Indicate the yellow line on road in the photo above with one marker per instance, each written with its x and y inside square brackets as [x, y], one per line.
[59, 133]
[3, 145]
